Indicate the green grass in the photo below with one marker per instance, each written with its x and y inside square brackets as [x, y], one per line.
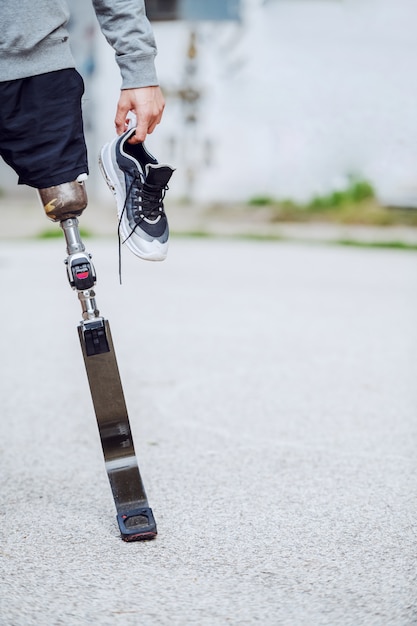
[356, 192]
[355, 204]
[56, 233]
[261, 201]
[196, 234]
[387, 245]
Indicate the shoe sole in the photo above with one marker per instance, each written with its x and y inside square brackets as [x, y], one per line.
[106, 166]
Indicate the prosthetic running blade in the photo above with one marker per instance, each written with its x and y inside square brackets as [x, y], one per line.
[134, 516]
[64, 203]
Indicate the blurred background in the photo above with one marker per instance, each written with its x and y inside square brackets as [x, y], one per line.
[301, 108]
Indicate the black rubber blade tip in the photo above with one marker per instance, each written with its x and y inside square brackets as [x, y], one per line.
[137, 524]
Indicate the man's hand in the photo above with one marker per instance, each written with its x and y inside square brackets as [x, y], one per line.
[147, 103]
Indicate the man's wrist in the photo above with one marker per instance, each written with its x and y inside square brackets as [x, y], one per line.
[137, 71]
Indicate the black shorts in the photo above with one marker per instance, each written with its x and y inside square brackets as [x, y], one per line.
[41, 128]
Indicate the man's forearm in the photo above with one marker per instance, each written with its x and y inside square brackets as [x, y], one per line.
[128, 31]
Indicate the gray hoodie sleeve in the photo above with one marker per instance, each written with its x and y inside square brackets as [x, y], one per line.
[128, 31]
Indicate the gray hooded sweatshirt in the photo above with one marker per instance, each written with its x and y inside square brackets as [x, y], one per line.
[34, 38]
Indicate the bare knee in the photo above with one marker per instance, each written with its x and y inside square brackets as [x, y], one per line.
[64, 201]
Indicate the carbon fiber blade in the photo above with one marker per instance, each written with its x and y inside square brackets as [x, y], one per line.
[134, 516]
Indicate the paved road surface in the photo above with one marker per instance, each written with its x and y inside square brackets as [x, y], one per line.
[272, 394]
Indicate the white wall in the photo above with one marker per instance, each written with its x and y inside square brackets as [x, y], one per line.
[305, 94]
[297, 97]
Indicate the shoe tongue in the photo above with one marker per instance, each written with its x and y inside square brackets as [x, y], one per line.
[157, 175]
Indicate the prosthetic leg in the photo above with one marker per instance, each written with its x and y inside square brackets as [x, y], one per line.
[65, 203]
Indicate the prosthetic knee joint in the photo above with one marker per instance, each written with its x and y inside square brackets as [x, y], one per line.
[64, 203]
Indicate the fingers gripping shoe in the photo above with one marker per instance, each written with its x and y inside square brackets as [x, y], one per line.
[139, 184]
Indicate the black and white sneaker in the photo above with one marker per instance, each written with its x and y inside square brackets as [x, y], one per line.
[139, 184]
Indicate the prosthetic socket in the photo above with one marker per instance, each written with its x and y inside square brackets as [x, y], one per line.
[64, 201]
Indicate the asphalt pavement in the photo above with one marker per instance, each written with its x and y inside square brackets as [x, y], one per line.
[272, 395]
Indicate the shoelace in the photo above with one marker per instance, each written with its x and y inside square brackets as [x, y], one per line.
[149, 201]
